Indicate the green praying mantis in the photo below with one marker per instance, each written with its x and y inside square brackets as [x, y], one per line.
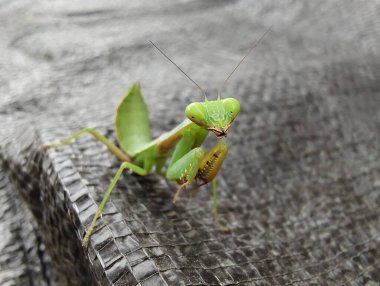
[189, 162]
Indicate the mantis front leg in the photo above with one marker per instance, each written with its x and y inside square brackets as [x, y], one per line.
[208, 169]
[196, 164]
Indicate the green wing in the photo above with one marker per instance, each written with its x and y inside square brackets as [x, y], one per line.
[132, 122]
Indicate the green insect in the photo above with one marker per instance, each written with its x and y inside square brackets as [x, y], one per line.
[189, 163]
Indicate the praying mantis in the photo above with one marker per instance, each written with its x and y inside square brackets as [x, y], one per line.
[189, 163]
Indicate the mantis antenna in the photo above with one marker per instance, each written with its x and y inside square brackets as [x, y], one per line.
[250, 50]
[201, 89]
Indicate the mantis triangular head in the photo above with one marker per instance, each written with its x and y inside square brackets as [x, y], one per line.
[216, 115]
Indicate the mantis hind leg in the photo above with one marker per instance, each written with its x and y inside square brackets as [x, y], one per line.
[112, 147]
[125, 165]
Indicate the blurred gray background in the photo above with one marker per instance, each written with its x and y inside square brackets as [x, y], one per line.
[299, 189]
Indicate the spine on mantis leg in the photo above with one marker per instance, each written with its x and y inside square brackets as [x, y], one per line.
[212, 162]
[210, 165]
[208, 169]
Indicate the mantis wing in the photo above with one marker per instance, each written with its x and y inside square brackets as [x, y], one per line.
[132, 122]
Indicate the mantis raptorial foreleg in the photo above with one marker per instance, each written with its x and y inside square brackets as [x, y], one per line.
[179, 191]
[211, 163]
[112, 147]
[185, 170]
[125, 165]
[196, 164]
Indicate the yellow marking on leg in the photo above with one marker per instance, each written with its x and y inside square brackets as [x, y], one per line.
[179, 191]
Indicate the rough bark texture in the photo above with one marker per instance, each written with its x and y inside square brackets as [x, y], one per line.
[300, 188]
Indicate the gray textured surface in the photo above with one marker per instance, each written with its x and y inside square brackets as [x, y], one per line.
[300, 188]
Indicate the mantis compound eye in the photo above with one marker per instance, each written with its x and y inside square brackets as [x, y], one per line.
[197, 112]
[231, 106]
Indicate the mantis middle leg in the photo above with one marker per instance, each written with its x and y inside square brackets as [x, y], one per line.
[125, 165]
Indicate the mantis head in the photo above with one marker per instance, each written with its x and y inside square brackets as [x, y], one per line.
[216, 115]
